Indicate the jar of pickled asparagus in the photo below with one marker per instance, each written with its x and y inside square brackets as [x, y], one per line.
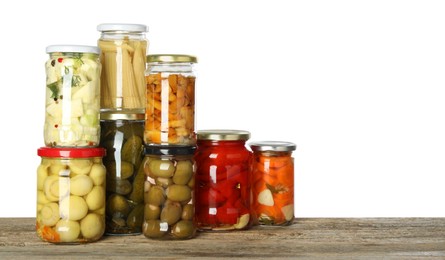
[123, 51]
[168, 198]
[223, 187]
[170, 108]
[122, 135]
[273, 182]
[72, 96]
[70, 195]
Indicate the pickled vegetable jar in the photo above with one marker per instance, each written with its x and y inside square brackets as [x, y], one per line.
[70, 195]
[273, 182]
[122, 135]
[123, 50]
[72, 96]
[223, 187]
[169, 186]
[170, 108]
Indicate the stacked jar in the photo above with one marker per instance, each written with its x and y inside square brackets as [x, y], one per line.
[170, 143]
[71, 175]
[123, 50]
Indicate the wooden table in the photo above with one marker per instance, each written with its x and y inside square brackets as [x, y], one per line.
[309, 238]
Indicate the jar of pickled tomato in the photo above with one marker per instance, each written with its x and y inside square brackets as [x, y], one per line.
[223, 186]
[70, 195]
[273, 182]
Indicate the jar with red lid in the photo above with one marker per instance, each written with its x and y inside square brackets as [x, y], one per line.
[223, 186]
[70, 195]
[273, 182]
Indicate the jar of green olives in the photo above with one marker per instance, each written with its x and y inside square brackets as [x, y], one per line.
[168, 192]
[121, 136]
[70, 195]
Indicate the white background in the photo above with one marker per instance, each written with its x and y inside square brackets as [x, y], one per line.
[357, 85]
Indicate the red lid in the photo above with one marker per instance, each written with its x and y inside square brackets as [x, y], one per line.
[71, 152]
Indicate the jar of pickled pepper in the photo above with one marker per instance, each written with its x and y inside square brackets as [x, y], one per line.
[169, 186]
[223, 186]
[72, 96]
[273, 182]
[70, 195]
[170, 108]
[121, 136]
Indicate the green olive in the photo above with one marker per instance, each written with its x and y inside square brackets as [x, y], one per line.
[184, 229]
[124, 172]
[135, 218]
[154, 229]
[188, 212]
[117, 204]
[161, 168]
[132, 150]
[156, 196]
[151, 212]
[119, 186]
[164, 182]
[171, 213]
[191, 183]
[183, 173]
[179, 193]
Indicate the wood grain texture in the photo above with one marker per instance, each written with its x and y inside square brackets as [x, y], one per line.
[311, 238]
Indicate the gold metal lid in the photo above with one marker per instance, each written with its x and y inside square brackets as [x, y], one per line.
[223, 135]
[122, 115]
[277, 146]
[171, 58]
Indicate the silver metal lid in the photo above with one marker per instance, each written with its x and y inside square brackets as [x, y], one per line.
[223, 135]
[120, 115]
[278, 146]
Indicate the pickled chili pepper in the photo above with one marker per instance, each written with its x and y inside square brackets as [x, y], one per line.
[273, 182]
[223, 180]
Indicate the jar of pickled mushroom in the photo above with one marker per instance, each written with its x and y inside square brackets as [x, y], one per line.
[170, 108]
[72, 96]
[223, 187]
[169, 186]
[121, 136]
[123, 51]
[273, 182]
[70, 195]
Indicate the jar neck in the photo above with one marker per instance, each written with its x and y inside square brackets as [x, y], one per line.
[273, 153]
[176, 67]
[73, 55]
[118, 35]
[221, 143]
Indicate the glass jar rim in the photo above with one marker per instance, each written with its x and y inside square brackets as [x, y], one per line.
[278, 146]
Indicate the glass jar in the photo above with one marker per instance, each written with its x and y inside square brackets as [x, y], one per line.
[70, 195]
[123, 51]
[223, 191]
[122, 135]
[170, 108]
[169, 186]
[273, 182]
[72, 96]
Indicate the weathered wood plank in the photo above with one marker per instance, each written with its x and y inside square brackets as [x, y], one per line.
[336, 238]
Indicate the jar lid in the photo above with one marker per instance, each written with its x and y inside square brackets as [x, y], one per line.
[171, 58]
[223, 135]
[73, 48]
[71, 152]
[277, 146]
[129, 27]
[169, 149]
[121, 115]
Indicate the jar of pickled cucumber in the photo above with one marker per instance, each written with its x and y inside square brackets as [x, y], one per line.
[121, 136]
[273, 182]
[169, 186]
[223, 185]
[72, 96]
[70, 195]
[123, 51]
[170, 108]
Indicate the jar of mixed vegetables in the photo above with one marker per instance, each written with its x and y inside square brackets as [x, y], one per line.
[72, 96]
[123, 51]
[223, 186]
[70, 195]
[170, 108]
[121, 136]
[273, 182]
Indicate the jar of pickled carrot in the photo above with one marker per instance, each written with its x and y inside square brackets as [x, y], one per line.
[273, 182]
[170, 108]
[223, 187]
